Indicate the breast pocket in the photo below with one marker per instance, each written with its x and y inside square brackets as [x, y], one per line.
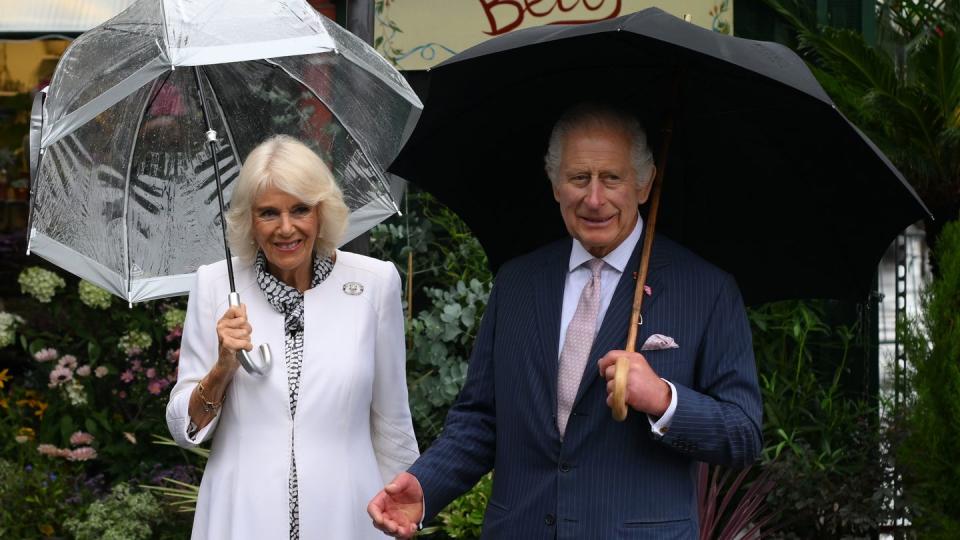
[670, 364]
[681, 529]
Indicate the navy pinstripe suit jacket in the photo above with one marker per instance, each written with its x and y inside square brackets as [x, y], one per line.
[606, 479]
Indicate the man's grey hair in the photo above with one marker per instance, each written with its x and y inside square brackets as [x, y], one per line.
[599, 115]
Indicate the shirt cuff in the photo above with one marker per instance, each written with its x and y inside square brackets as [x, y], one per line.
[659, 427]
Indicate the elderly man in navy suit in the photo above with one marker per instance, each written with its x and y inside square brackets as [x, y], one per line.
[535, 403]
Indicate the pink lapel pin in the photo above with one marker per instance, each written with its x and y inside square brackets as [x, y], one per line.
[647, 290]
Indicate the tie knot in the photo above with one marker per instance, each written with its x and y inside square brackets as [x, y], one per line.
[595, 265]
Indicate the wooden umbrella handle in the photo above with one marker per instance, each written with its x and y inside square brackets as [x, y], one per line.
[618, 403]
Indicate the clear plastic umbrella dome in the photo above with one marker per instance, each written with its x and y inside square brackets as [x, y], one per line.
[123, 190]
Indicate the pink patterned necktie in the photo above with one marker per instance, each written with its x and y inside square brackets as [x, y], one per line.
[577, 345]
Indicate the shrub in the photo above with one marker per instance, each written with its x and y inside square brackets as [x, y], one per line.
[927, 454]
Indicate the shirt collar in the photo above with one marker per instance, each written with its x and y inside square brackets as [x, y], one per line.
[618, 258]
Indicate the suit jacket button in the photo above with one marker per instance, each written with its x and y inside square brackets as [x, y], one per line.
[564, 467]
[550, 519]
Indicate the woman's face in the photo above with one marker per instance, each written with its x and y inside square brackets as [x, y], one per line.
[285, 229]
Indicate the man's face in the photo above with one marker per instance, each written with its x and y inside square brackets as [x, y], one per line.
[597, 188]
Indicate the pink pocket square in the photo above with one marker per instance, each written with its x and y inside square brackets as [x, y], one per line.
[658, 342]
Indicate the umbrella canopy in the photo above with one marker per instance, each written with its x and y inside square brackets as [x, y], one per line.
[765, 177]
[124, 192]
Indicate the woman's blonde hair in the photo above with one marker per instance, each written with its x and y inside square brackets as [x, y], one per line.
[292, 167]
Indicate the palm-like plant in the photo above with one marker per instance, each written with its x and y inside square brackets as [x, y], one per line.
[904, 91]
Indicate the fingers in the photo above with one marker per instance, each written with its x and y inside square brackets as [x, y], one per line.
[234, 330]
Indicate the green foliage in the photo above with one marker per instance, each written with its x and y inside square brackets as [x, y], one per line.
[822, 439]
[451, 283]
[125, 514]
[463, 518]
[927, 455]
[33, 498]
[904, 92]
[437, 361]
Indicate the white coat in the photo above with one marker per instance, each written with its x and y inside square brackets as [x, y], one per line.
[353, 427]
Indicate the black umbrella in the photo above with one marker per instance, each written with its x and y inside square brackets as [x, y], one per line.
[766, 178]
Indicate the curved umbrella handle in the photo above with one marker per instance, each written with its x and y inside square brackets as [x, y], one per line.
[245, 359]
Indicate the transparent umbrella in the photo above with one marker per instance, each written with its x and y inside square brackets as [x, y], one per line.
[125, 191]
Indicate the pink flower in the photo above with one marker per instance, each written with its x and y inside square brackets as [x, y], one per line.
[137, 365]
[122, 394]
[68, 360]
[151, 373]
[48, 450]
[173, 356]
[127, 376]
[45, 355]
[175, 333]
[83, 371]
[84, 453]
[60, 375]
[81, 438]
[101, 372]
[157, 386]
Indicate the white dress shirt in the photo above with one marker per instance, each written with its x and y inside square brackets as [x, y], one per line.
[578, 275]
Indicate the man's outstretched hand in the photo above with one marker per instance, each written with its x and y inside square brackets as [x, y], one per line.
[398, 508]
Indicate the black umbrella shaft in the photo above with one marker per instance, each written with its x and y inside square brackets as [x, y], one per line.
[212, 141]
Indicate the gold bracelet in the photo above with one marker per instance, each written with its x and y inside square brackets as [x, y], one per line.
[209, 406]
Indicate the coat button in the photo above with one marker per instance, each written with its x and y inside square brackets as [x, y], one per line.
[564, 467]
[549, 519]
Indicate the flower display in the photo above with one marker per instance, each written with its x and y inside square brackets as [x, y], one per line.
[39, 283]
[93, 296]
[101, 372]
[83, 371]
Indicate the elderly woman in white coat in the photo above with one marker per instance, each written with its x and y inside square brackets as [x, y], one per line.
[297, 452]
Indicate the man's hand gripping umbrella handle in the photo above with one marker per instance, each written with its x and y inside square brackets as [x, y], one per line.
[245, 359]
[619, 399]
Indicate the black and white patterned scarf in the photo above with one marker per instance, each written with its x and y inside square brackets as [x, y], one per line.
[289, 301]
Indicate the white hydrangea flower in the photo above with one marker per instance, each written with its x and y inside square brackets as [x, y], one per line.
[76, 393]
[134, 342]
[93, 296]
[8, 328]
[40, 284]
[173, 318]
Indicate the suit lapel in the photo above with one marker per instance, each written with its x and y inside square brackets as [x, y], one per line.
[613, 329]
[548, 295]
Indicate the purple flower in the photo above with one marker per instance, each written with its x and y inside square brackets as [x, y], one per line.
[127, 376]
[151, 373]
